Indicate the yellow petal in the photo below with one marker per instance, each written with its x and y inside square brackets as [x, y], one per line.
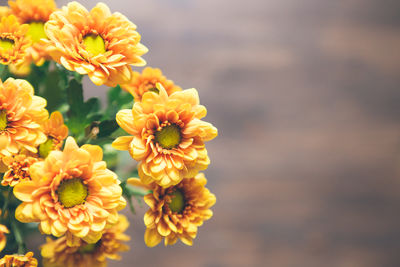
[95, 151]
[149, 199]
[170, 240]
[45, 227]
[24, 213]
[152, 237]
[187, 240]
[93, 237]
[125, 120]
[163, 228]
[149, 218]
[137, 182]
[72, 241]
[23, 190]
[122, 142]
[70, 145]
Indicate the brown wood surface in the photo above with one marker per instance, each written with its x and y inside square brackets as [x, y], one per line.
[305, 94]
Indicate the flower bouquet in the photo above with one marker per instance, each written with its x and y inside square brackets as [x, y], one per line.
[61, 170]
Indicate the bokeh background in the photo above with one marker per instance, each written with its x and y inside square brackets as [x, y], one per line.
[305, 94]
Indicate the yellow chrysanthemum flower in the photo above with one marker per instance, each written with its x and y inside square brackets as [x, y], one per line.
[167, 136]
[18, 169]
[97, 43]
[35, 13]
[3, 238]
[26, 260]
[13, 40]
[57, 253]
[21, 116]
[71, 192]
[147, 80]
[177, 211]
[56, 131]
[4, 11]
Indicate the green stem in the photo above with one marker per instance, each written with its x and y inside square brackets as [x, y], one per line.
[131, 207]
[138, 192]
[18, 237]
[2, 70]
[5, 205]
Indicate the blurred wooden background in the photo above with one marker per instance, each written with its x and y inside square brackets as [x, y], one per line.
[305, 94]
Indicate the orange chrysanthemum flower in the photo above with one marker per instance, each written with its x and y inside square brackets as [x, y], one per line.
[18, 169]
[177, 211]
[29, 11]
[57, 253]
[56, 131]
[167, 136]
[3, 238]
[71, 192]
[147, 80]
[26, 260]
[13, 40]
[21, 117]
[97, 43]
[35, 13]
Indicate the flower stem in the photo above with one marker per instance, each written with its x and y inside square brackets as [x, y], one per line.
[2, 70]
[5, 205]
[18, 238]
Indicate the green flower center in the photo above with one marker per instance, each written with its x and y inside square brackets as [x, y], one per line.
[169, 136]
[36, 31]
[3, 120]
[6, 44]
[45, 148]
[177, 203]
[88, 248]
[72, 192]
[94, 44]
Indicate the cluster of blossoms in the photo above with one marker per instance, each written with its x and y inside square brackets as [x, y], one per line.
[167, 138]
[53, 164]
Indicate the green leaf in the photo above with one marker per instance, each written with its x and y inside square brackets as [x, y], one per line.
[107, 127]
[111, 156]
[75, 95]
[117, 100]
[68, 75]
[92, 105]
[76, 120]
[80, 114]
[54, 90]
[36, 75]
